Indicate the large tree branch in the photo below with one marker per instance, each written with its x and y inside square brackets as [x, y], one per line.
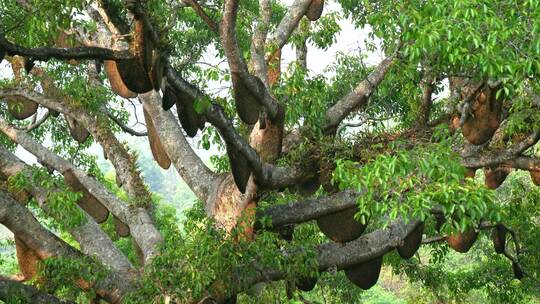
[93, 241]
[45, 244]
[46, 53]
[289, 22]
[358, 97]
[190, 167]
[11, 291]
[309, 209]
[473, 159]
[341, 256]
[140, 223]
[194, 4]
[267, 175]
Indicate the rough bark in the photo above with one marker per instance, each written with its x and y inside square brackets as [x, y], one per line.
[140, 223]
[358, 97]
[93, 241]
[11, 291]
[190, 167]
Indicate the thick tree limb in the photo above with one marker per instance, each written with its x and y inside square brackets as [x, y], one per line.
[190, 167]
[511, 155]
[258, 43]
[16, 292]
[93, 241]
[46, 53]
[267, 175]
[341, 256]
[358, 97]
[289, 22]
[45, 244]
[194, 4]
[140, 223]
[309, 209]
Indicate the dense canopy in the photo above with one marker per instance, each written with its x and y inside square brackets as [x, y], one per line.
[424, 165]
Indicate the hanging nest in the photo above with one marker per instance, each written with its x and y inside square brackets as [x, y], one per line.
[190, 120]
[462, 241]
[135, 71]
[274, 67]
[239, 167]
[484, 120]
[309, 186]
[169, 97]
[535, 177]
[64, 40]
[2, 54]
[498, 236]
[365, 275]
[306, 284]
[412, 242]
[494, 177]
[341, 227]
[77, 131]
[27, 259]
[439, 221]
[87, 202]
[121, 229]
[158, 151]
[247, 104]
[156, 74]
[315, 10]
[117, 84]
[21, 107]
[134, 75]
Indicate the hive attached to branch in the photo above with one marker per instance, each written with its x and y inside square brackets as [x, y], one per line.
[494, 177]
[484, 120]
[412, 242]
[190, 120]
[535, 177]
[121, 229]
[134, 75]
[169, 96]
[87, 202]
[462, 241]
[239, 167]
[21, 107]
[274, 67]
[156, 74]
[341, 226]
[306, 284]
[365, 275]
[27, 259]
[247, 103]
[77, 131]
[117, 84]
[135, 71]
[315, 10]
[158, 151]
[498, 236]
[2, 54]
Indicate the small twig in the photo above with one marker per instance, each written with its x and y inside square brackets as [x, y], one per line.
[124, 127]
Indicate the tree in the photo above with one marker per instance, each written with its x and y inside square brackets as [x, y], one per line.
[372, 154]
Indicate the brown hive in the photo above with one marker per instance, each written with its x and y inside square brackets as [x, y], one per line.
[158, 151]
[315, 10]
[462, 241]
[412, 242]
[341, 226]
[365, 275]
[87, 202]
